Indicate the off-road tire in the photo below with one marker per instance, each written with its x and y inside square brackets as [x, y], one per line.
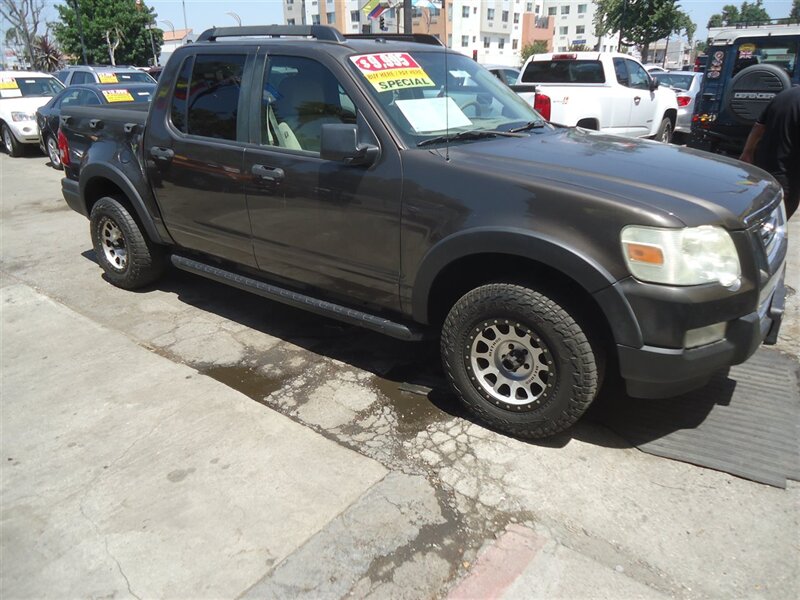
[10, 143]
[664, 133]
[565, 345]
[144, 261]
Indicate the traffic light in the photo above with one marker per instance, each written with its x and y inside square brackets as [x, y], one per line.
[382, 24]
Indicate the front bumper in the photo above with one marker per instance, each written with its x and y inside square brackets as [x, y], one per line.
[653, 372]
[71, 191]
[26, 132]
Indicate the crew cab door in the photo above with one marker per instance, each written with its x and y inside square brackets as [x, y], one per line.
[644, 101]
[194, 147]
[318, 223]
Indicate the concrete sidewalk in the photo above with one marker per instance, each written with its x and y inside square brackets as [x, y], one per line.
[113, 484]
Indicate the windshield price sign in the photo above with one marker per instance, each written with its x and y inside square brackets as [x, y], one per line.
[392, 71]
[117, 96]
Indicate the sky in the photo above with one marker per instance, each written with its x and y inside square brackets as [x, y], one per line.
[202, 14]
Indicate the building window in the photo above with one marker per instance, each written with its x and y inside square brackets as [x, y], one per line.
[449, 40]
[474, 10]
[490, 14]
[562, 48]
[465, 11]
[331, 18]
[290, 21]
[315, 19]
[565, 10]
[464, 41]
[580, 29]
[501, 43]
[474, 38]
[581, 8]
[529, 7]
[563, 30]
[551, 11]
[450, 11]
[354, 16]
[514, 44]
[289, 1]
[486, 41]
[504, 16]
[516, 17]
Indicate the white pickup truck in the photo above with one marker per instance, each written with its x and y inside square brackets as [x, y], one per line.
[606, 91]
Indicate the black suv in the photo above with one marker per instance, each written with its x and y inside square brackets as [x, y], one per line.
[746, 69]
[389, 182]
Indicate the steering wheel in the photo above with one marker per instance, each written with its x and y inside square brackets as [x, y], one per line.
[476, 104]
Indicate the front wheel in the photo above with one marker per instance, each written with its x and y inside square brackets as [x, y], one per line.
[519, 360]
[10, 143]
[664, 133]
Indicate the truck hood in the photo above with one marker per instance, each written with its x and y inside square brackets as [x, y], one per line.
[694, 187]
[29, 104]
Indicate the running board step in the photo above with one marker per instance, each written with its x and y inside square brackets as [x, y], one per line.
[320, 307]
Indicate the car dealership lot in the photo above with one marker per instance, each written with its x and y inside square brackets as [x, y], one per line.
[193, 440]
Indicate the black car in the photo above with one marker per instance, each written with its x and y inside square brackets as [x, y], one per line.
[83, 95]
[352, 176]
[746, 69]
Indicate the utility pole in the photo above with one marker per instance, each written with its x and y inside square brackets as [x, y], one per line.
[408, 26]
[77, 4]
[185, 26]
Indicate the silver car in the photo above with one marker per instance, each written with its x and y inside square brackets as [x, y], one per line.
[686, 85]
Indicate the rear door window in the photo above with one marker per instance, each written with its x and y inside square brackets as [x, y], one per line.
[213, 98]
[621, 71]
[766, 51]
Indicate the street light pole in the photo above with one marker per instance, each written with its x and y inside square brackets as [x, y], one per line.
[185, 26]
[408, 26]
[77, 4]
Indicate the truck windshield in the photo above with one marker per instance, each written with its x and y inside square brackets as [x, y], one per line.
[425, 100]
[18, 87]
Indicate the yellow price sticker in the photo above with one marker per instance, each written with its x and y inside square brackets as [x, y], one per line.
[8, 83]
[117, 96]
[108, 78]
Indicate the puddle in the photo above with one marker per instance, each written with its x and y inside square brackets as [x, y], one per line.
[416, 405]
[246, 380]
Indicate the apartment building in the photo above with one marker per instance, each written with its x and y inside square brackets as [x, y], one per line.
[345, 15]
[574, 26]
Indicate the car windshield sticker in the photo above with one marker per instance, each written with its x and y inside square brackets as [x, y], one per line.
[8, 83]
[432, 114]
[392, 71]
[108, 78]
[117, 96]
[715, 67]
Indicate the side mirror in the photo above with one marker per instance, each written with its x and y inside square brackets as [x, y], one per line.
[339, 142]
[653, 83]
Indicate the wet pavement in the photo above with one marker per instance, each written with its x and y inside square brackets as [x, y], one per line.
[597, 508]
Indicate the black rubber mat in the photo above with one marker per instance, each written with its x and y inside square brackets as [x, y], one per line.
[745, 422]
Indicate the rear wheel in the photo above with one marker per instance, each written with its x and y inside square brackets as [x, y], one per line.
[53, 153]
[519, 360]
[10, 143]
[664, 133]
[129, 259]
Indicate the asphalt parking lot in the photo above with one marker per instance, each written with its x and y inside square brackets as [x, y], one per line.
[195, 441]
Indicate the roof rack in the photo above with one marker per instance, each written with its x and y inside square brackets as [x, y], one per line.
[419, 38]
[320, 32]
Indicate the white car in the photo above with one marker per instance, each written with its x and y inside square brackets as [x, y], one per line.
[605, 91]
[21, 93]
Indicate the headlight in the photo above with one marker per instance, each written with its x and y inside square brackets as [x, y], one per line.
[22, 116]
[688, 256]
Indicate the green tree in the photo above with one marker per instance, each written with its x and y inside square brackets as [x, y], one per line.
[747, 13]
[536, 47]
[795, 14]
[106, 22]
[641, 22]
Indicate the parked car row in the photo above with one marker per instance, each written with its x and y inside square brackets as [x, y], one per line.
[30, 101]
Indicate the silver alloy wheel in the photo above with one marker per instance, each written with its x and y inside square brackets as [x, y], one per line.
[666, 135]
[52, 151]
[511, 364]
[7, 141]
[113, 244]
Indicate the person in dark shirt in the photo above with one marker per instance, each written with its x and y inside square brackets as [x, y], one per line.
[774, 144]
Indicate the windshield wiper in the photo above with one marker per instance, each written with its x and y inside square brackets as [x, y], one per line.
[527, 127]
[472, 134]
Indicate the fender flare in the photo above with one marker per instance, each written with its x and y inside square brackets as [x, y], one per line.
[94, 171]
[538, 247]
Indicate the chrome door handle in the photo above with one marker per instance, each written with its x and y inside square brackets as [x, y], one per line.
[267, 173]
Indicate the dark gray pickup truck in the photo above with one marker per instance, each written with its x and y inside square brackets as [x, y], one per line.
[387, 182]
